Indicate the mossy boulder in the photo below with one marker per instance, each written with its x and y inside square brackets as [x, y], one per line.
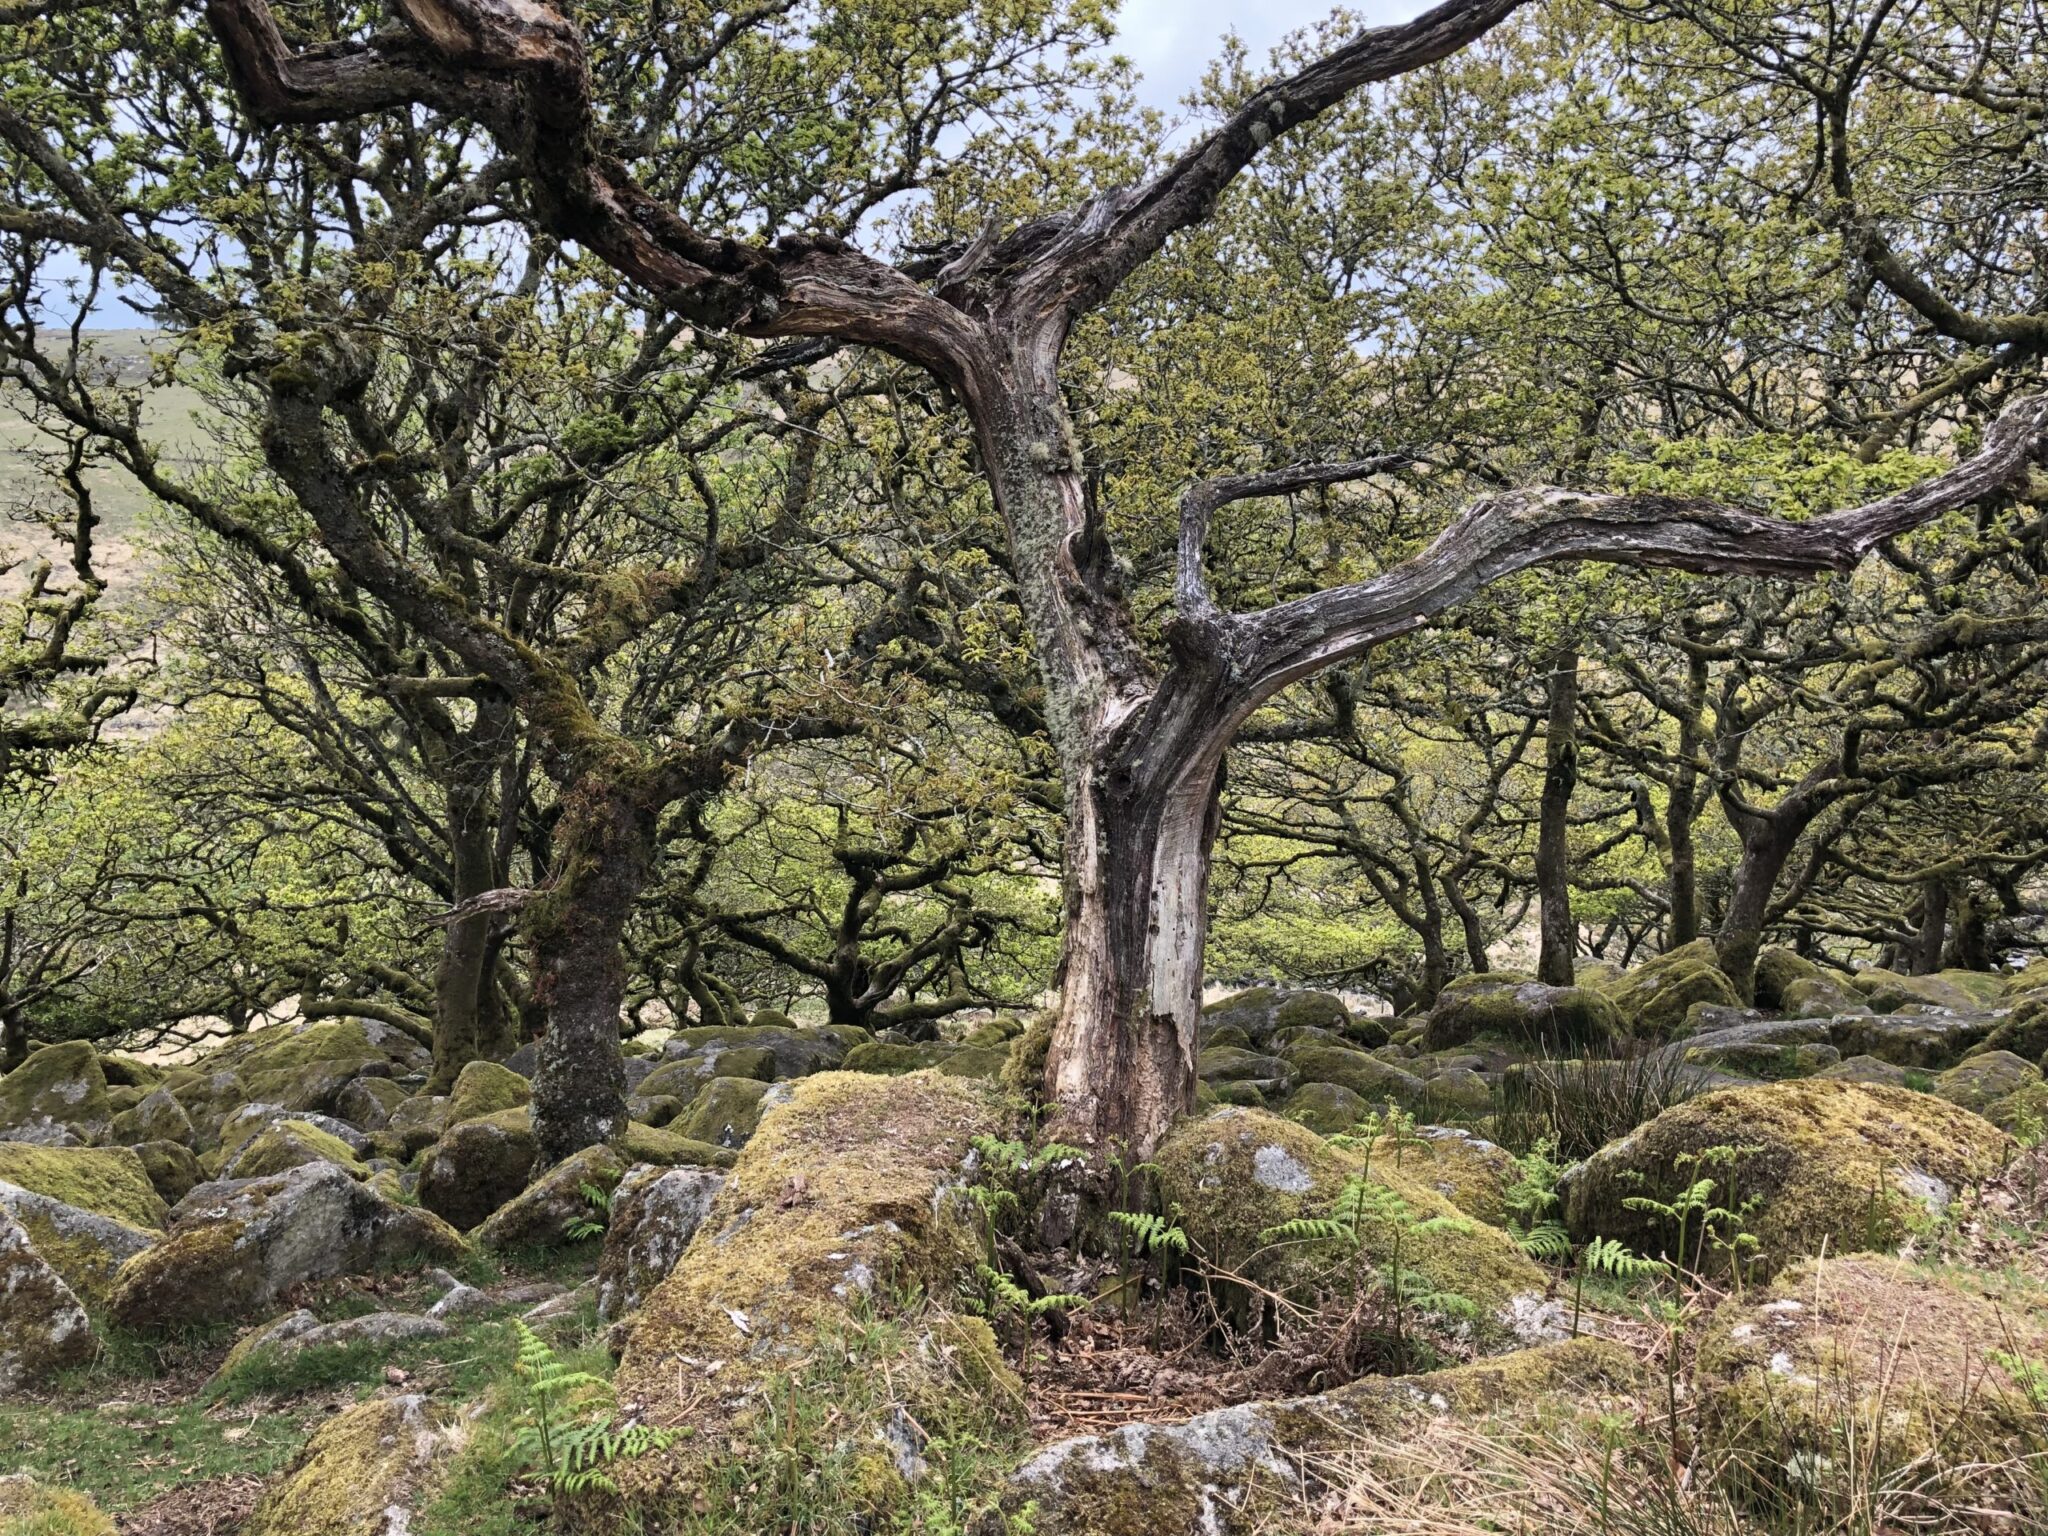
[300, 1330]
[838, 1203]
[1312, 1010]
[418, 1122]
[43, 1328]
[1653, 998]
[543, 1214]
[669, 1149]
[1983, 1080]
[124, 1071]
[1240, 1470]
[367, 1102]
[485, 1088]
[30, 1508]
[1378, 1082]
[477, 1166]
[2023, 1113]
[58, 1095]
[1845, 1165]
[1467, 1170]
[1223, 1065]
[1866, 1069]
[157, 1116]
[109, 1181]
[726, 1110]
[1503, 1005]
[932, 1055]
[233, 1247]
[1928, 1040]
[1766, 1048]
[655, 1212]
[1778, 968]
[1328, 1109]
[1819, 998]
[286, 1144]
[359, 1475]
[209, 1095]
[791, 1051]
[172, 1168]
[1235, 1173]
[2023, 1031]
[1455, 1093]
[1904, 1368]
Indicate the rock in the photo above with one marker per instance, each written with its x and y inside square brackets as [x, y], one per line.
[1864, 1342]
[208, 1095]
[2023, 1113]
[1456, 1093]
[1377, 1082]
[43, 1329]
[1237, 1471]
[296, 1332]
[1467, 1170]
[158, 1116]
[306, 1066]
[1654, 997]
[1312, 1010]
[360, 1474]
[1237, 1172]
[726, 1111]
[792, 1051]
[542, 1215]
[1768, 1048]
[233, 1246]
[1850, 1166]
[171, 1166]
[1926, 1040]
[58, 1089]
[367, 1102]
[951, 1060]
[1225, 1065]
[286, 1144]
[1983, 1080]
[85, 1247]
[109, 1181]
[655, 1212]
[2024, 1031]
[1865, 1069]
[485, 1088]
[1820, 998]
[1259, 1014]
[29, 1508]
[245, 1124]
[838, 1202]
[461, 1301]
[1506, 1006]
[1957, 991]
[1778, 968]
[1328, 1109]
[477, 1166]
[419, 1122]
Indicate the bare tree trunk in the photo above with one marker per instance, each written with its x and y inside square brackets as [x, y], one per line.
[1767, 842]
[465, 1010]
[1553, 847]
[603, 853]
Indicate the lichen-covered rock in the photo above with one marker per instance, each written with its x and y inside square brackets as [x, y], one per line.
[1866, 1069]
[1239, 1470]
[85, 1247]
[655, 1212]
[477, 1166]
[1312, 1010]
[58, 1094]
[1819, 997]
[1227, 1065]
[1237, 1172]
[233, 1246]
[726, 1110]
[1328, 1109]
[542, 1215]
[157, 1116]
[1653, 998]
[1778, 968]
[1959, 991]
[791, 1051]
[1455, 1093]
[839, 1201]
[208, 1094]
[30, 1508]
[286, 1144]
[363, 1473]
[932, 1055]
[1851, 1166]
[2023, 1031]
[1503, 1005]
[367, 1102]
[252, 1120]
[110, 1181]
[43, 1329]
[485, 1088]
[418, 1122]
[1983, 1080]
[1767, 1048]
[298, 1331]
[647, 1144]
[1930, 1041]
[1467, 1170]
[1894, 1366]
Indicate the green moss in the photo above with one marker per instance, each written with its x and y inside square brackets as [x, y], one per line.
[646, 1144]
[1024, 1070]
[358, 1464]
[108, 1181]
[1328, 1109]
[952, 1060]
[59, 1085]
[1653, 999]
[1846, 1165]
[129, 1071]
[1506, 1006]
[1983, 1080]
[1367, 1076]
[1312, 1010]
[287, 1144]
[725, 1112]
[172, 1168]
[485, 1088]
[1876, 1362]
[190, 1276]
[28, 1508]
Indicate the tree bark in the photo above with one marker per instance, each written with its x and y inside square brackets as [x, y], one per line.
[1767, 842]
[1933, 927]
[467, 1022]
[1553, 849]
[604, 848]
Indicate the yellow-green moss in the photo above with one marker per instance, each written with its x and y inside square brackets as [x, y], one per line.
[28, 1508]
[1655, 998]
[287, 1144]
[1876, 1357]
[129, 1071]
[363, 1461]
[485, 1088]
[108, 1181]
[1841, 1164]
[652, 1144]
[190, 1275]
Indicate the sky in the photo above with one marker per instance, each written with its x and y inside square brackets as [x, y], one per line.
[1172, 40]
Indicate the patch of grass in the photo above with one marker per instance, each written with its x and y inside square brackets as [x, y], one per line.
[1580, 1106]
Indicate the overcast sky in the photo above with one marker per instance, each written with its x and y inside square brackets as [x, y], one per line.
[1171, 40]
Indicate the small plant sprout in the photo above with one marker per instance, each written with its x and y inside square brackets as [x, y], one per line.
[600, 1201]
[1151, 1236]
[572, 1457]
